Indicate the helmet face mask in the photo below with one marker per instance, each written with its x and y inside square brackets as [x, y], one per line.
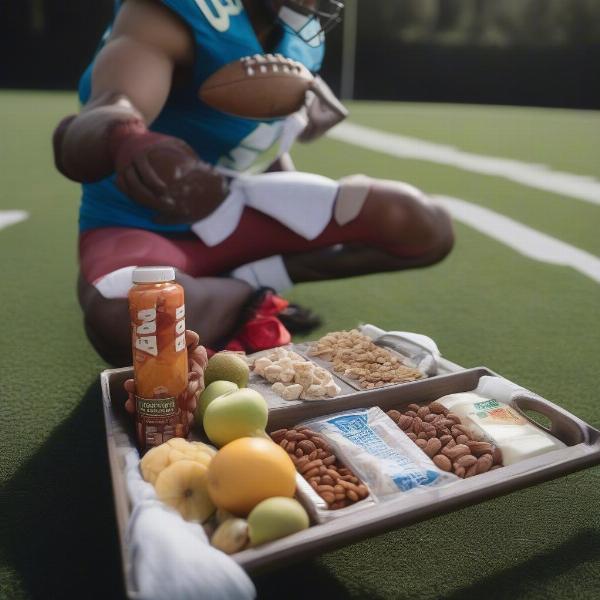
[310, 19]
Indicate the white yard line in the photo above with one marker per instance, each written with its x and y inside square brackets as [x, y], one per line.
[529, 242]
[533, 175]
[10, 217]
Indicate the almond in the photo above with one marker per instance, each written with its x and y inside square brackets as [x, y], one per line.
[442, 462]
[411, 435]
[432, 447]
[472, 470]
[422, 412]
[466, 461]
[414, 407]
[278, 435]
[445, 439]
[458, 430]
[497, 455]
[452, 417]
[484, 463]
[459, 471]
[462, 439]
[430, 418]
[437, 408]
[306, 446]
[328, 497]
[352, 495]
[405, 422]
[311, 465]
[417, 425]
[394, 415]
[421, 443]
[479, 448]
[456, 451]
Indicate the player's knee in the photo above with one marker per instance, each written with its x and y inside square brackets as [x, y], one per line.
[410, 220]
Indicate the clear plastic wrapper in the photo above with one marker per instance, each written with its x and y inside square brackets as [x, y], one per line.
[381, 454]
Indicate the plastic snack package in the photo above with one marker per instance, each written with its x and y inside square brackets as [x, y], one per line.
[380, 453]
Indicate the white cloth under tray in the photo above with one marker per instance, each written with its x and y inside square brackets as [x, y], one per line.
[171, 558]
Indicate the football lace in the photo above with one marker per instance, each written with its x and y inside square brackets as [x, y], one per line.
[270, 63]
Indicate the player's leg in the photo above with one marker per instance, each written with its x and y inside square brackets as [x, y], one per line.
[381, 225]
[213, 304]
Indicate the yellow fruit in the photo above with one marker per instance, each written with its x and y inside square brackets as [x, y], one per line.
[275, 518]
[227, 366]
[175, 449]
[231, 536]
[183, 485]
[247, 471]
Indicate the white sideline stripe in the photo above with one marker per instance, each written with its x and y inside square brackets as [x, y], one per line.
[533, 175]
[10, 217]
[529, 242]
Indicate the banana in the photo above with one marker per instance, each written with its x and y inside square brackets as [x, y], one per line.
[231, 536]
[183, 485]
[174, 450]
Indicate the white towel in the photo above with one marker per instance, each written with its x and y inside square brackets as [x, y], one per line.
[303, 202]
[171, 558]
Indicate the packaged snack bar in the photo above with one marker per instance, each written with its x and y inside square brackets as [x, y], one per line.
[500, 424]
[381, 454]
[157, 312]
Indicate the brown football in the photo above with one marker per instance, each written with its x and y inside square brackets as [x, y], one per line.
[258, 87]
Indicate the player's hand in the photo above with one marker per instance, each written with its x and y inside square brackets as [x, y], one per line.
[197, 361]
[165, 174]
[323, 110]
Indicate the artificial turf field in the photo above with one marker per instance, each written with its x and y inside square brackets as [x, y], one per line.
[535, 323]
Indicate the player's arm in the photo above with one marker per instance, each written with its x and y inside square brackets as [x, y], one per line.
[131, 81]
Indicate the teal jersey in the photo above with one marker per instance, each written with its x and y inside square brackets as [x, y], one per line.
[222, 34]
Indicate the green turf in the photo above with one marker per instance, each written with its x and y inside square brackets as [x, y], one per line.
[532, 322]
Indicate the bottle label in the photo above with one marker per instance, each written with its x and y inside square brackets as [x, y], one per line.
[157, 420]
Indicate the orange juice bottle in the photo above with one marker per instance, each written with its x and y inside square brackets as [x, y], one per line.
[157, 312]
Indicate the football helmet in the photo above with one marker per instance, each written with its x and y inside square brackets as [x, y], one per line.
[308, 19]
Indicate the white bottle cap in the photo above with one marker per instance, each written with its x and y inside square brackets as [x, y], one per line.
[153, 274]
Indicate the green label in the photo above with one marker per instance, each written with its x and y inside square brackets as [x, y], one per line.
[486, 405]
[157, 407]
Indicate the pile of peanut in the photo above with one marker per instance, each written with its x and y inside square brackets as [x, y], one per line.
[440, 434]
[294, 377]
[355, 356]
[315, 461]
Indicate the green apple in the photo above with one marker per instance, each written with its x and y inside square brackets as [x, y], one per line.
[227, 366]
[242, 413]
[275, 518]
[212, 391]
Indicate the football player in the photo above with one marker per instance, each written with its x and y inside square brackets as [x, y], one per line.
[155, 160]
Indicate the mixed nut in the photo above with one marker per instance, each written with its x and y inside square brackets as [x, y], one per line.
[440, 434]
[315, 461]
[355, 356]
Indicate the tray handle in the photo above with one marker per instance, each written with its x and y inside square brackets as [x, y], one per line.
[563, 425]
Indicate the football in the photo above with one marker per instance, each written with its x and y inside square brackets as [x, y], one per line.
[258, 87]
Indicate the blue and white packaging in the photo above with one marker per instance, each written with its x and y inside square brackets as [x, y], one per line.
[379, 452]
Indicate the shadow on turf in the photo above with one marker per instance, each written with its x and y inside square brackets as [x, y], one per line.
[533, 575]
[61, 529]
[61, 532]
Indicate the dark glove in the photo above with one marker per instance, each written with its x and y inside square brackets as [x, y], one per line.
[158, 171]
[324, 111]
[164, 173]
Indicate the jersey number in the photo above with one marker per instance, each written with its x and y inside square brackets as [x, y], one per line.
[217, 12]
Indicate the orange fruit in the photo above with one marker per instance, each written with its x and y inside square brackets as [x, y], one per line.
[248, 471]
